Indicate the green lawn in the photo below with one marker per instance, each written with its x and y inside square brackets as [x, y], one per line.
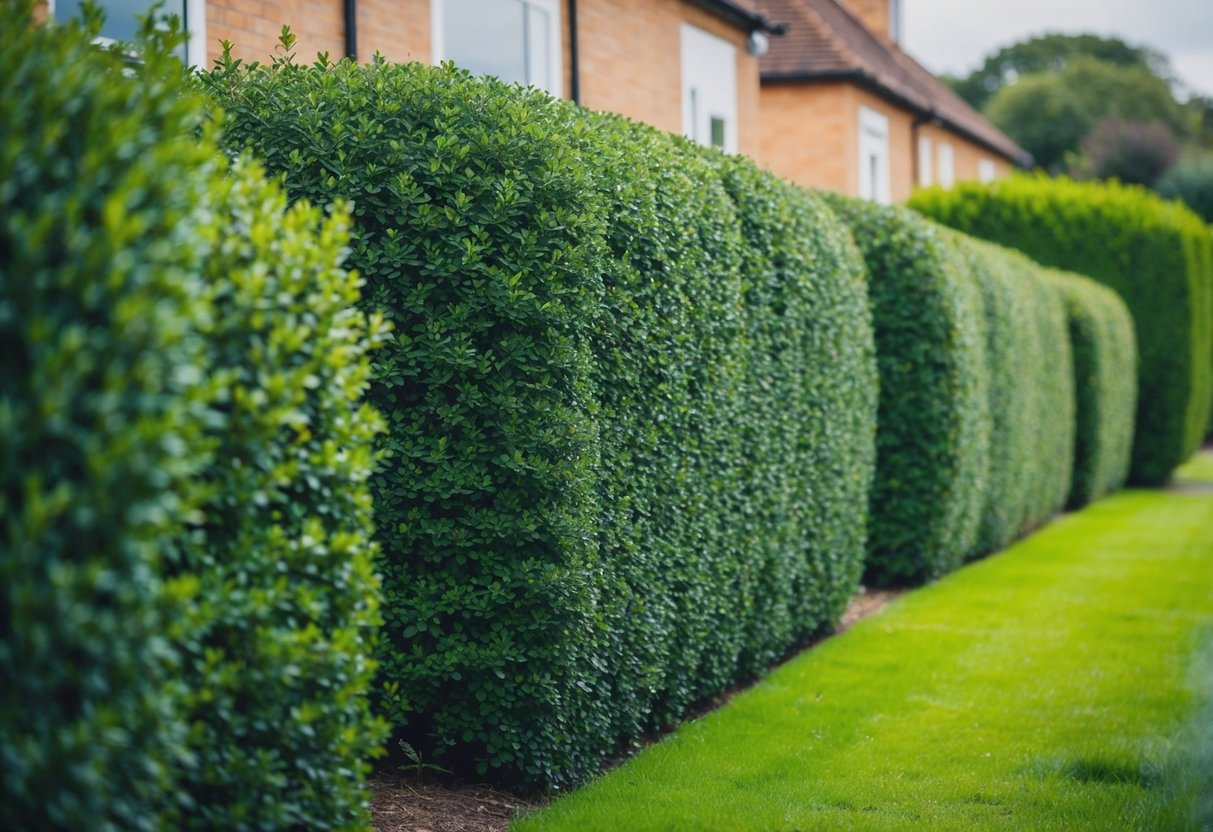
[1064, 684]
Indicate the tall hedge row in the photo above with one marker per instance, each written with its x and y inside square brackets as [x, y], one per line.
[1158, 256]
[630, 403]
[187, 597]
[933, 439]
[1105, 385]
[1030, 368]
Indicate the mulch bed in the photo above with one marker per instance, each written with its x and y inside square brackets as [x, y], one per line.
[406, 803]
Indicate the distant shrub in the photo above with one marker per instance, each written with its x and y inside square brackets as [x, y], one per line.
[1191, 182]
[592, 511]
[1105, 373]
[1156, 255]
[187, 595]
[932, 443]
[1136, 153]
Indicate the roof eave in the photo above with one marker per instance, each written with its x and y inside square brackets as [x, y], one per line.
[740, 17]
[863, 79]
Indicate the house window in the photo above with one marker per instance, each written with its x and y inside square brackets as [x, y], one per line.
[515, 40]
[986, 171]
[947, 171]
[121, 21]
[874, 177]
[925, 172]
[709, 89]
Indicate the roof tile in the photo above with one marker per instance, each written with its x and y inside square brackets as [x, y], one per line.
[823, 40]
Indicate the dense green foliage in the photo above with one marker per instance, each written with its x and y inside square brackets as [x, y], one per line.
[275, 650]
[1105, 385]
[1050, 113]
[187, 593]
[1158, 256]
[1028, 367]
[1191, 182]
[477, 241]
[630, 404]
[101, 415]
[1051, 53]
[932, 443]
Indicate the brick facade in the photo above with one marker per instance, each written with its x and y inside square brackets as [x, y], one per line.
[811, 136]
[630, 62]
[629, 49]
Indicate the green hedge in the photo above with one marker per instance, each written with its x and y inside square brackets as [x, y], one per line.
[1158, 256]
[101, 417]
[592, 511]
[275, 651]
[1030, 370]
[934, 423]
[1105, 375]
[187, 594]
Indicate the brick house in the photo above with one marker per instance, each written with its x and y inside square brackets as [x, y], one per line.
[823, 97]
[687, 66]
[844, 108]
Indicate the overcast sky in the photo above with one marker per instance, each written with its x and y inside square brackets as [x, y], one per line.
[954, 36]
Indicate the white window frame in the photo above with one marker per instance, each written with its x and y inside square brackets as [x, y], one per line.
[926, 168]
[195, 22]
[947, 165]
[987, 171]
[555, 38]
[708, 66]
[875, 185]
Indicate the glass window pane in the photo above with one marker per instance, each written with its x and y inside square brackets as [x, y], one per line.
[487, 37]
[538, 33]
[120, 23]
[718, 132]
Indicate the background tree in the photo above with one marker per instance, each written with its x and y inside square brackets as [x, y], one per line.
[1050, 113]
[1052, 53]
[1191, 182]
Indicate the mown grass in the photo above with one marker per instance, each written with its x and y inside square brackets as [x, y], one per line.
[1064, 684]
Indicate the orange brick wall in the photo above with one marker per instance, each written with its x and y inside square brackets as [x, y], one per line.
[810, 135]
[629, 48]
[400, 29]
[630, 62]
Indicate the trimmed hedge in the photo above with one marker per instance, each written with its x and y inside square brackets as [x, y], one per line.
[630, 404]
[187, 594]
[275, 651]
[1105, 374]
[101, 421]
[1030, 369]
[1158, 256]
[934, 424]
